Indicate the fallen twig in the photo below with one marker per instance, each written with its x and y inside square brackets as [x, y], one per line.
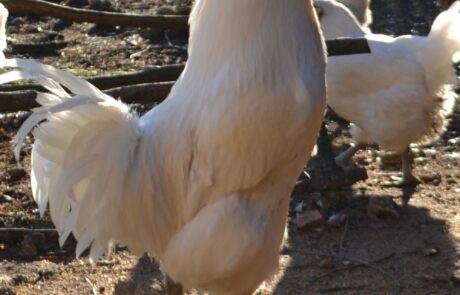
[149, 75]
[11, 236]
[359, 263]
[141, 93]
[17, 101]
[175, 22]
[93, 287]
[38, 48]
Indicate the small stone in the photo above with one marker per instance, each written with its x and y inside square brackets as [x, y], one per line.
[310, 219]
[453, 156]
[416, 152]
[7, 198]
[326, 264]
[430, 251]
[430, 177]
[383, 208]
[430, 153]
[450, 180]
[420, 160]
[454, 141]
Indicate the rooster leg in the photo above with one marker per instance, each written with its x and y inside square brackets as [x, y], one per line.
[344, 158]
[408, 178]
[173, 288]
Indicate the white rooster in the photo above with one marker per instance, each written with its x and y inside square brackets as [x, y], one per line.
[202, 181]
[399, 94]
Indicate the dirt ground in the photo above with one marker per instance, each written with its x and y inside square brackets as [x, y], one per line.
[417, 253]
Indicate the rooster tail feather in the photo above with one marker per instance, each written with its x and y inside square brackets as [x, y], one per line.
[85, 143]
[437, 57]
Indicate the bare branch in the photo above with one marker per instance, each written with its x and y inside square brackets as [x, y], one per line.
[112, 19]
[149, 75]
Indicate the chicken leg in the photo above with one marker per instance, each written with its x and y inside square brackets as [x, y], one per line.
[344, 158]
[408, 178]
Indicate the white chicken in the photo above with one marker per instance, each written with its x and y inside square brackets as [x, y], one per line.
[202, 181]
[399, 94]
[338, 21]
[360, 9]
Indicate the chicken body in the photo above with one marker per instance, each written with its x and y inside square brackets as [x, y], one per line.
[202, 181]
[399, 94]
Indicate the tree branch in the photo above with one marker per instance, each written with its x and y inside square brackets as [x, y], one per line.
[139, 93]
[149, 75]
[112, 19]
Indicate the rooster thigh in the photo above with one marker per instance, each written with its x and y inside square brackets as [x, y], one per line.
[236, 237]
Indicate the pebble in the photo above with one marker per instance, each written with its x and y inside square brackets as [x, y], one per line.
[450, 179]
[430, 251]
[310, 219]
[454, 141]
[420, 160]
[430, 153]
[383, 208]
[326, 264]
[430, 177]
[453, 155]
[7, 198]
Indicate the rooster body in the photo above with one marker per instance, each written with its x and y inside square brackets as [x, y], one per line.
[202, 181]
[399, 94]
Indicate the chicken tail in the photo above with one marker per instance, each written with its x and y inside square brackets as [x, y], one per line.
[438, 58]
[84, 145]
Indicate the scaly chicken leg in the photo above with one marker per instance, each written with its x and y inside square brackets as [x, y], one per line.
[408, 178]
[344, 158]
